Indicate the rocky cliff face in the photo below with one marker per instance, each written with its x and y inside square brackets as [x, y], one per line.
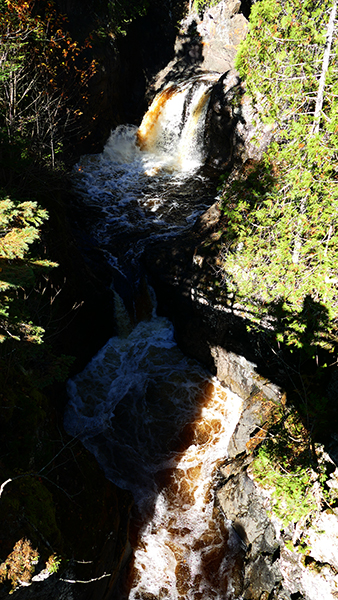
[183, 274]
[207, 43]
[280, 563]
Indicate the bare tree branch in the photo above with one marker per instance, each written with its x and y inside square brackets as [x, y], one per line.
[88, 580]
[3, 486]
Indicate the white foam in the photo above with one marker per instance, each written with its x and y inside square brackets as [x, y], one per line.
[155, 420]
[130, 406]
[138, 184]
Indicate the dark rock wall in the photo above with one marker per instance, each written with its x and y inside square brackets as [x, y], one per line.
[212, 332]
[131, 68]
[144, 51]
[125, 65]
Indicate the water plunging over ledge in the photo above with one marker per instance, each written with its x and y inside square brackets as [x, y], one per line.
[148, 182]
[156, 421]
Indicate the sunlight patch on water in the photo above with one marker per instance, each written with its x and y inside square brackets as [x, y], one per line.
[159, 425]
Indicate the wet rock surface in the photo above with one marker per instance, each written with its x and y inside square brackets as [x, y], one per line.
[207, 328]
[183, 273]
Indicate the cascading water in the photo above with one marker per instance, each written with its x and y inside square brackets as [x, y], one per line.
[156, 421]
[147, 182]
[172, 129]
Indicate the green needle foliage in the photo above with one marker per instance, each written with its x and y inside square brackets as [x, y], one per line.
[282, 238]
[19, 229]
[124, 12]
[201, 6]
[292, 498]
[286, 465]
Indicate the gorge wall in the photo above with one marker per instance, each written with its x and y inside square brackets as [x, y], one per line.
[131, 70]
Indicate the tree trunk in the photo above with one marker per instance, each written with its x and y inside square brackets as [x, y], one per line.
[325, 66]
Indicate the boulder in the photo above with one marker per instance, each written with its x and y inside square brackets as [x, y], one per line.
[222, 28]
[205, 44]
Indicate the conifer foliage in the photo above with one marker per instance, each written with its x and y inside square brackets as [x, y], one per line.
[19, 228]
[282, 236]
[43, 79]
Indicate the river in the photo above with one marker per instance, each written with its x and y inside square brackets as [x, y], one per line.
[157, 422]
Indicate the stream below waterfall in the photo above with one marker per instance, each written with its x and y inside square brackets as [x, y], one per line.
[157, 422]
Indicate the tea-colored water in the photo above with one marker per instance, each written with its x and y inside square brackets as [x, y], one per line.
[157, 422]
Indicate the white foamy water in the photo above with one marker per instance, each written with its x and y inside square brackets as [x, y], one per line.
[156, 421]
[159, 425]
[171, 132]
[147, 179]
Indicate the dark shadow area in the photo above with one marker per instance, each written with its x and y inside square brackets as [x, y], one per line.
[146, 49]
[308, 374]
[220, 127]
[246, 8]
[307, 364]
[188, 56]
[303, 363]
[238, 527]
[296, 596]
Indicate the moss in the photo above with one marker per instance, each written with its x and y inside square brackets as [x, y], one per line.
[53, 563]
[292, 498]
[202, 5]
[301, 547]
[285, 464]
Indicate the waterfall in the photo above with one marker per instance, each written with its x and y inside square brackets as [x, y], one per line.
[173, 128]
[157, 422]
[151, 176]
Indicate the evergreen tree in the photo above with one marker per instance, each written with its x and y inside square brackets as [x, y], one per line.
[19, 228]
[43, 76]
[282, 236]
